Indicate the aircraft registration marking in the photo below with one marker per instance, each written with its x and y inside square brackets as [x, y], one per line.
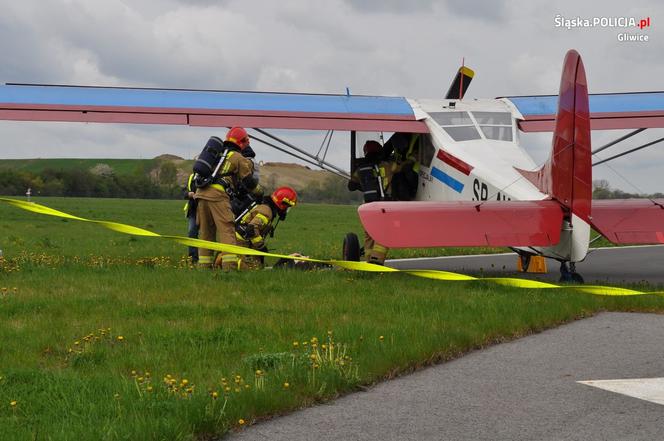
[447, 179]
[648, 389]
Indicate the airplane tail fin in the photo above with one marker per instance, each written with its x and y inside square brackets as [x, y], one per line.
[567, 175]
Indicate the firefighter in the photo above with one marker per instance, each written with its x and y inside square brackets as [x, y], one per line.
[260, 221]
[214, 214]
[373, 176]
[190, 214]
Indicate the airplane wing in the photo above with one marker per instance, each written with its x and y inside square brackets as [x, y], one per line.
[629, 221]
[463, 223]
[607, 111]
[207, 108]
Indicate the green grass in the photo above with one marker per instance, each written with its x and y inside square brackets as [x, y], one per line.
[316, 230]
[63, 282]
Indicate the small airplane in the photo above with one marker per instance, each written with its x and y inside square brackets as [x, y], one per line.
[477, 186]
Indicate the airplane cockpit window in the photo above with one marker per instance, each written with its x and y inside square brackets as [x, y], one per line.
[458, 125]
[495, 125]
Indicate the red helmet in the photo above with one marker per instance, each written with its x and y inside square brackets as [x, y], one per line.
[371, 147]
[284, 198]
[238, 136]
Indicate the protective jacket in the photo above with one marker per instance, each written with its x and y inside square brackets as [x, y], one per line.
[373, 178]
[253, 228]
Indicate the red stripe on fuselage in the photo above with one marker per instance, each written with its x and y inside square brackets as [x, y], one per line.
[455, 162]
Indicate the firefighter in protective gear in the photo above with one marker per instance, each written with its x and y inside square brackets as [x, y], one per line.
[373, 176]
[253, 228]
[214, 214]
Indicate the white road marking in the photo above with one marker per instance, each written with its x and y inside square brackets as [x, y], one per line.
[649, 389]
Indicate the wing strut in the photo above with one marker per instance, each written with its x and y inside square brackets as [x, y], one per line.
[621, 139]
[318, 162]
[629, 151]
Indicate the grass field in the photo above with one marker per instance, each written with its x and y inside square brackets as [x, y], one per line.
[105, 336]
[311, 229]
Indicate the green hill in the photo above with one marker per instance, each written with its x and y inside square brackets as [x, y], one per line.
[272, 174]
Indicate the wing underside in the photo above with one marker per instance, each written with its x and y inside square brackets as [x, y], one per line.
[629, 221]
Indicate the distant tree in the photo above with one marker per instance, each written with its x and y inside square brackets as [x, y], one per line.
[168, 173]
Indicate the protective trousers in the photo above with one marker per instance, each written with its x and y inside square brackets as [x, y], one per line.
[374, 252]
[216, 223]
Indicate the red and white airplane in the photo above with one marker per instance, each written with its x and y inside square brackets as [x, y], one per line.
[477, 185]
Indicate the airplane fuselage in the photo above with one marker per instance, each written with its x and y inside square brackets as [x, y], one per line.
[473, 152]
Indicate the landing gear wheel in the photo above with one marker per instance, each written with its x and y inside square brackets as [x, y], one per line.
[351, 250]
[569, 274]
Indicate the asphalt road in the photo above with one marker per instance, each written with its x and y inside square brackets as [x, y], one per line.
[642, 264]
[523, 390]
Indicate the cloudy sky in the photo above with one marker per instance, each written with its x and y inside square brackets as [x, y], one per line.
[389, 47]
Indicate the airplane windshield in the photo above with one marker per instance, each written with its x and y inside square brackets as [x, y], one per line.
[495, 125]
[462, 126]
[458, 125]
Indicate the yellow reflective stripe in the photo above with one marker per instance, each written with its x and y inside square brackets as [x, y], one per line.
[245, 218]
[218, 187]
[234, 250]
[229, 258]
[189, 181]
[239, 237]
[205, 260]
[227, 165]
[256, 239]
[261, 217]
[186, 206]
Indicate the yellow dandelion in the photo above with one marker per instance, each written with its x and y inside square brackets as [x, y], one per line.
[184, 382]
[241, 422]
[286, 385]
[13, 403]
[246, 386]
[296, 344]
[381, 338]
[120, 338]
[149, 388]
[214, 395]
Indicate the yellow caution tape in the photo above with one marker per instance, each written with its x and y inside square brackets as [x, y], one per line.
[354, 266]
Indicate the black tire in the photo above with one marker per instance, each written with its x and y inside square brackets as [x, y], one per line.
[351, 250]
